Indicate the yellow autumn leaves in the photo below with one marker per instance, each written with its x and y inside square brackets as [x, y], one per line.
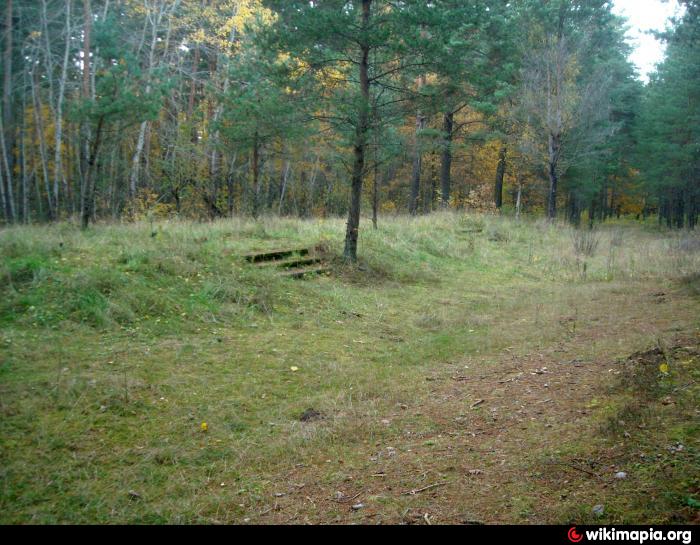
[228, 20]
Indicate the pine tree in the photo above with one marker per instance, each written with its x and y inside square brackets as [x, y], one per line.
[669, 128]
[350, 49]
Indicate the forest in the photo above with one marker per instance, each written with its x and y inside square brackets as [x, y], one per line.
[209, 109]
[399, 262]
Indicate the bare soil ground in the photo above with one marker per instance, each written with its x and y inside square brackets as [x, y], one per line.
[525, 437]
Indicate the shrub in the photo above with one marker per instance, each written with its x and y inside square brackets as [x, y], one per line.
[585, 242]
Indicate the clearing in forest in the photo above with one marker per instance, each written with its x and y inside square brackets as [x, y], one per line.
[470, 370]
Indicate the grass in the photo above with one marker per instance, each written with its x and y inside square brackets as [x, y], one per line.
[118, 343]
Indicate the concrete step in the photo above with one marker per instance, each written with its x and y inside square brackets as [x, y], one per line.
[290, 263]
[275, 255]
[303, 272]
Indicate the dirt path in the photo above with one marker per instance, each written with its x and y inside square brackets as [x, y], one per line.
[511, 441]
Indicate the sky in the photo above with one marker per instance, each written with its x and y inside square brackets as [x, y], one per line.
[645, 15]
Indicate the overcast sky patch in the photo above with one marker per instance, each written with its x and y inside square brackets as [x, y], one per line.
[645, 15]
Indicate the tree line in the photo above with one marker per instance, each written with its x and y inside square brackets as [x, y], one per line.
[214, 108]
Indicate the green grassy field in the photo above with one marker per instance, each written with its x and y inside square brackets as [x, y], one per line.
[471, 369]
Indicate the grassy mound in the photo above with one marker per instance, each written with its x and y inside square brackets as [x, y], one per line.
[123, 275]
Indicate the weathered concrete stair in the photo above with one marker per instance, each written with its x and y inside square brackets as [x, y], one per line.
[302, 273]
[274, 255]
[292, 262]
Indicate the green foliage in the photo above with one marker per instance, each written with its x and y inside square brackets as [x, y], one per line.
[668, 132]
[257, 109]
[123, 96]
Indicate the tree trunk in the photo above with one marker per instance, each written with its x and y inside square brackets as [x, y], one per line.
[88, 194]
[309, 191]
[136, 160]
[361, 130]
[85, 168]
[3, 198]
[375, 192]
[87, 14]
[155, 20]
[604, 201]
[41, 138]
[283, 190]
[613, 199]
[113, 184]
[58, 173]
[37, 189]
[446, 160]
[213, 141]
[229, 185]
[554, 147]
[8, 118]
[256, 176]
[25, 166]
[417, 160]
[193, 92]
[500, 173]
[5, 195]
